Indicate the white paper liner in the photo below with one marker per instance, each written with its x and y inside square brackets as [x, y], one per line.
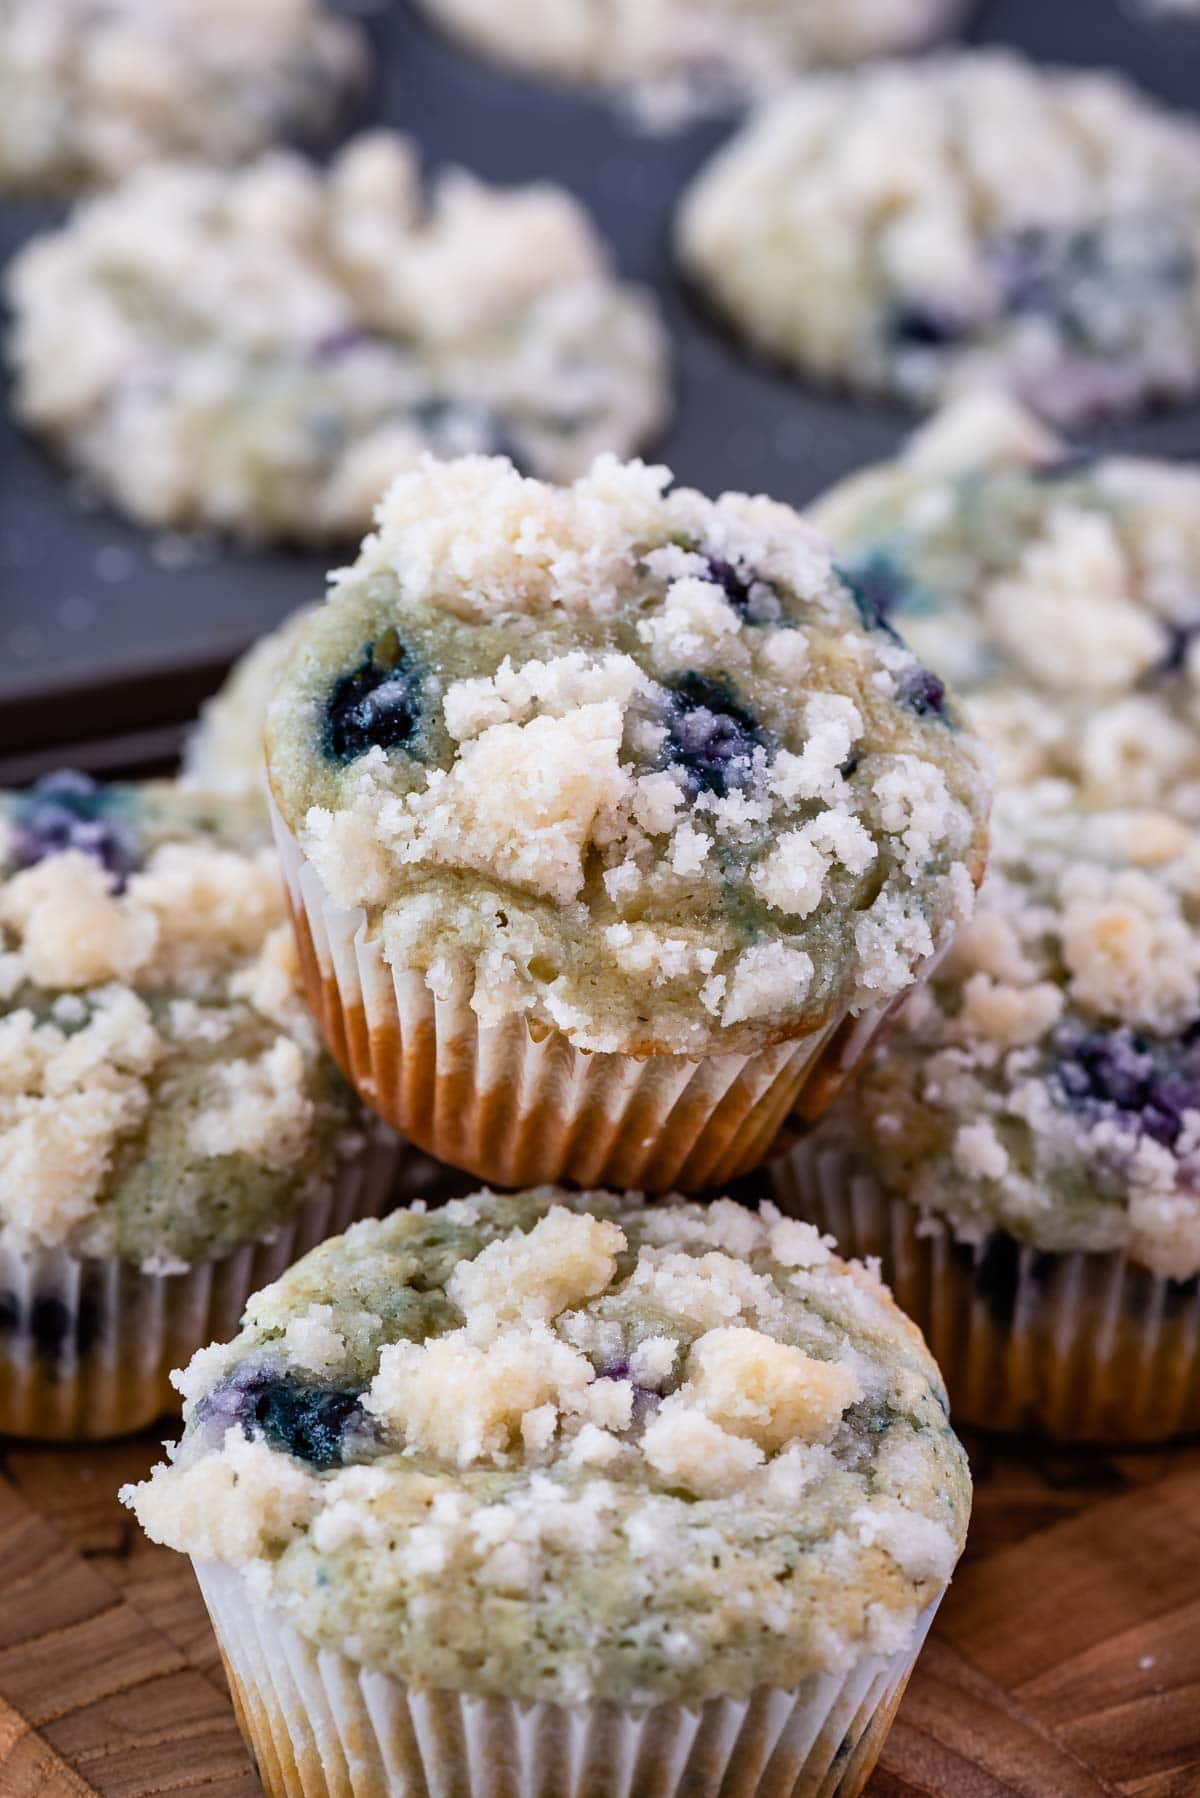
[320, 1726]
[519, 1106]
[87, 1345]
[1079, 1347]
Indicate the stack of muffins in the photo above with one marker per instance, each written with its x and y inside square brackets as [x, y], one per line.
[614, 845]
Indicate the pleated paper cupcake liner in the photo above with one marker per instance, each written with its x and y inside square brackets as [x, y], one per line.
[87, 1345]
[516, 1104]
[320, 1726]
[1078, 1347]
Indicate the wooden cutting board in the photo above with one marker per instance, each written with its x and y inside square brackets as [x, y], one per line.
[1065, 1662]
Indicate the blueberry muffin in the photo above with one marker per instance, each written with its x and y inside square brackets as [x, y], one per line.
[919, 229]
[170, 1130]
[677, 1478]
[91, 89]
[678, 58]
[1024, 1154]
[334, 324]
[1058, 589]
[224, 750]
[611, 821]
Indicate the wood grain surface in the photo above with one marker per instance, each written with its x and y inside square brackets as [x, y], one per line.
[1065, 1662]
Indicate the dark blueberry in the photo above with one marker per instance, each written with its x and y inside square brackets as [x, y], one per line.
[51, 1325]
[68, 811]
[377, 705]
[340, 343]
[1028, 267]
[995, 1271]
[922, 692]
[880, 587]
[925, 326]
[55, 1328]
[1179, 1296]
[1066, 466]
[749, 596]
[306, 1421]
[1180, 640]
[997, 1268]
[298, 1418]
[1143, 1086]
[460, 428]
[1084, 280]
[712, 737]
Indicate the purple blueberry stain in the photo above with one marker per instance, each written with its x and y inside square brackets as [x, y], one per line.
[750, 597]
[341, 342]
[71, 811]
[711, 736]
[1180, 638]
[295, 1417]
[378, 704]
[1078, 460]
[645, 1399]
[880, 587]
[923, 692]
[1146, 1087]
[1085, 279]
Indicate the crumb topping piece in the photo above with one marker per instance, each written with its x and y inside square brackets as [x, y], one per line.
[624, 759]
[667, 1445]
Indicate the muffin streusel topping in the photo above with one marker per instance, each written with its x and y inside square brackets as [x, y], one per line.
[568, 1446]
[631, 761]
[162, 1092]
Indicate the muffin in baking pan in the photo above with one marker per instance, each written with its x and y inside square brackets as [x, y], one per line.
[676, 59]
[92, 89]
[334, 323]
[919, 229]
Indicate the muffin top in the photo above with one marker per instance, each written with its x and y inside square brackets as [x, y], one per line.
[925, 227]
[90, 89]
[1047, 1081]
[334, 323]
[566, 1447]
[162, 1093]
[632, 762]
[679, 58]
[1059, 590]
